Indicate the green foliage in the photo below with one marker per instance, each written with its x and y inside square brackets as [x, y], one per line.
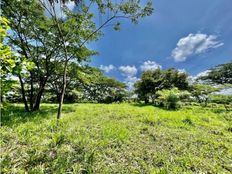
[7, 59]
[98, 88]
[221, 74]
[202, 92]
[115, 138]
[226, 100]
[154, 80]
[57, 38]
[171, 98]
[6, 56]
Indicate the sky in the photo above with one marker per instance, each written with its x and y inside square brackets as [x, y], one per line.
[190, 35]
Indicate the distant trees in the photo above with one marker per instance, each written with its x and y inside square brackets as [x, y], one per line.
[221, 74]
[86, 84]
[153, 81]
[102, 89]
[169, 87]
[202, 92]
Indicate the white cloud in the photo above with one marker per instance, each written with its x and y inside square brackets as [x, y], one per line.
[128, 71]
[182, 70]
[149, 65]
[193, 79]
[203, 73]
[58, 8]
[194, 44]
[130, 81]
[107, 68]
[70, 5]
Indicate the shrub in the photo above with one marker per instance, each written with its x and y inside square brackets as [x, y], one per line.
[171, 99]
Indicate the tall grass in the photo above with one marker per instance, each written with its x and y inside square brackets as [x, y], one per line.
[116, 138]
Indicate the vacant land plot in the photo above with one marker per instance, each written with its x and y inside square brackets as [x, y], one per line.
[116, 138]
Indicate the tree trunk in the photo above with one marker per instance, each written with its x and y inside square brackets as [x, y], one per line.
[31, 92]
[38, 100]
[39, 94]
[23, 94]
[58, 95]
[63, 89]
[146, 100]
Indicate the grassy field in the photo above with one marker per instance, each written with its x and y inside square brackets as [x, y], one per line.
[116, 138]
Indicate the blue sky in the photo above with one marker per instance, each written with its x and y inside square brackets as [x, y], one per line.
[193, 35]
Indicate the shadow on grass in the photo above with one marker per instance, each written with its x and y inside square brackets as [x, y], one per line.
[154, 105]
[142, 104]
[15, 114]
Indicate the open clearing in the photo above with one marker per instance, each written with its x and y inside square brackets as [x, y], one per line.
[116, 138]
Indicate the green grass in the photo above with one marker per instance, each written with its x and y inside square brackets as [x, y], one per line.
[116, 138]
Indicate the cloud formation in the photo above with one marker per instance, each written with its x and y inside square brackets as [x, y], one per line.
[58, 8]
[107, 68]
[130, 81]
[193, 79]
[149, 65]
[182, 70]
[202, 74]
[194, 44]
[128, 71]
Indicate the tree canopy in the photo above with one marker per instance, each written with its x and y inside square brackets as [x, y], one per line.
[154, 80]
[52, 37]
[221, 74]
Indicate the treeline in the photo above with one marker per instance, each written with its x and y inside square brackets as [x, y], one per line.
[84, 84]
[170, 87]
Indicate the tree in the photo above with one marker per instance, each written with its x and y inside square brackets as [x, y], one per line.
[125, 9]
[202, 92]
[221, 74]
[154, 80]
[60, 36]
[30, 41]
[102, 89]
[6, 57]
[35, 39]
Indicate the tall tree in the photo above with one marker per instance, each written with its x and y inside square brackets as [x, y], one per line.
[35, 38]
[69, 21]
[154, 80]
[30, 39]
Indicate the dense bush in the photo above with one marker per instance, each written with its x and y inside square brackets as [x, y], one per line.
[171, 99]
